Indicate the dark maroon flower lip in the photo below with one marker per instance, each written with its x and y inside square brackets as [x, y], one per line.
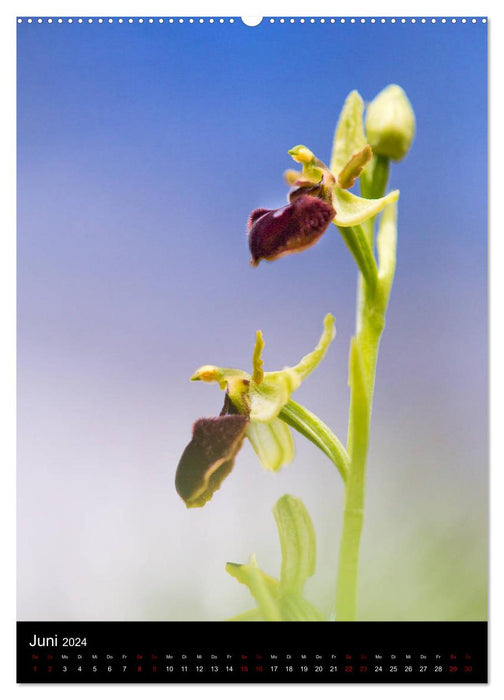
[293, 228]
[209, 457]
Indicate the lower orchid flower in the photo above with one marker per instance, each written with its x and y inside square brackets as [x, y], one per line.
[252, 407]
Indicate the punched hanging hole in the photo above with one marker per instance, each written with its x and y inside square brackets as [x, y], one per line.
[252, 21]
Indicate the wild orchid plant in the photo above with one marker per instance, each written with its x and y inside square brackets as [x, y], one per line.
[258, 405]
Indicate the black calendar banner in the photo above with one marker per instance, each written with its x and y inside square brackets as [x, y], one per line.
[217, 652]
[252, 349]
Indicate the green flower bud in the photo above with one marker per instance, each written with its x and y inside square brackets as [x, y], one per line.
[390, 123]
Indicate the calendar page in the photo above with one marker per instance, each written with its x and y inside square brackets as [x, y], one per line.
[252, 349]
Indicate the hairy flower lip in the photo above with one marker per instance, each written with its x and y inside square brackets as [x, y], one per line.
[209, 457]
[293, 228]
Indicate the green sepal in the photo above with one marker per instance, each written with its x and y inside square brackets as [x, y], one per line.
[349, 136]
[297, 542]
[272, 443]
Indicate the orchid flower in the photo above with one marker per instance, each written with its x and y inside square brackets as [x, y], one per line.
[252, 407]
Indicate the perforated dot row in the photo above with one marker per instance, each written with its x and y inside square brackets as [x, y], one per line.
[232, 20]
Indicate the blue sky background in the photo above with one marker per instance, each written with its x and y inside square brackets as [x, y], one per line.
[141, 151]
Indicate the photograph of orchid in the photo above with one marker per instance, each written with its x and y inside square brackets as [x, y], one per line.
[252, 320]
[258, 405]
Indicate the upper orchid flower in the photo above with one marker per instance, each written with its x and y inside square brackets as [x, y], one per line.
[251, 409]
[321, 194]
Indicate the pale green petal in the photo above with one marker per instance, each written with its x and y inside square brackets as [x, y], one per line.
[257, 362]
[349, 137]
[308, 363]
[354, 167]
[297, 541]
[272, 443]
[352, 210]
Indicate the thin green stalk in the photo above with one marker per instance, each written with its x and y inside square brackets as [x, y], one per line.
[370, 322]
[363, 355]
[359, 245]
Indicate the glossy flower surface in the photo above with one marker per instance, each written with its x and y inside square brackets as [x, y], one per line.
[293, 228]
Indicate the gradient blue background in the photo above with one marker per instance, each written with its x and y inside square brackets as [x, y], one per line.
[141, 151]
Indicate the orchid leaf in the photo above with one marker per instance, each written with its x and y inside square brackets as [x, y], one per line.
[297, 608]
[283, 600]
[242, 573]
[262, 587]
[297, 541]
[253, 615]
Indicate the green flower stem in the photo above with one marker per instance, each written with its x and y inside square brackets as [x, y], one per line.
[363, 356]
[371, 308]
[373, 180]
[359, 245]
[309, 425]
